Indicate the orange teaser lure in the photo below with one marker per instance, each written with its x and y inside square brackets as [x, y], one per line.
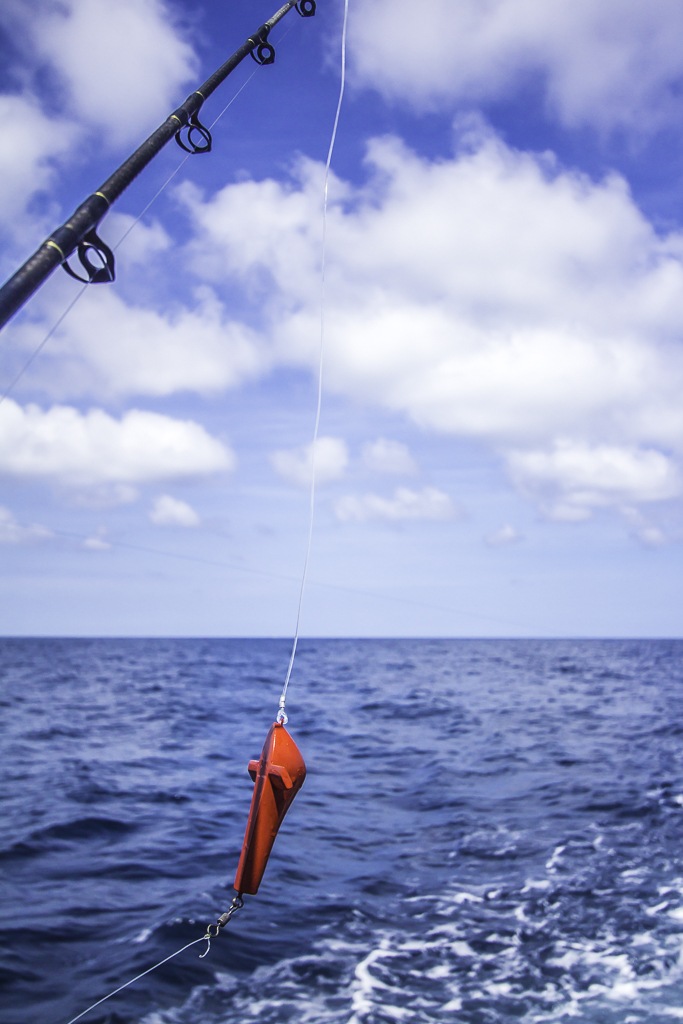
[278, 776]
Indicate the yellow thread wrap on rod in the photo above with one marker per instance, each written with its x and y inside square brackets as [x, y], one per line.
[53, 245]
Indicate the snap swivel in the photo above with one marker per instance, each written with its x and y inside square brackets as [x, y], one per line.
[214, 930]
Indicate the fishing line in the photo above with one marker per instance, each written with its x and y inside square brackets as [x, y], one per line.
[211, 932]
[237, 903]
[137, 978]
[182, 163]
[79, 294]
[10, 388]
[218, 563]
[281, 714]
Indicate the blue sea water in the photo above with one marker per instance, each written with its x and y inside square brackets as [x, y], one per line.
[490, 831]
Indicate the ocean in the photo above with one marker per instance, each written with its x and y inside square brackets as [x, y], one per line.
[490, 831]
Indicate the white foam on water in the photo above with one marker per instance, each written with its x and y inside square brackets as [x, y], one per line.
[651, 911]
[634, 874]
[467, 897]
[555, 858]
[367, 987]
[462, 948]
[438, 972]
[453, 1005]
[404, 978]
[525, 953]
[500, 988]
[536, 885]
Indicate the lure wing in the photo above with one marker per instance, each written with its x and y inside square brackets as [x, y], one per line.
[278, 776]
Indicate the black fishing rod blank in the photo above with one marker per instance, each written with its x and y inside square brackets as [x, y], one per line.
[79, 233]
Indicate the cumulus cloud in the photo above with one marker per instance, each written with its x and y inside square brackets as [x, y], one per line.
[73, 69]
[237, 232]
[15, 533]
[30, 142]
[98, 541]
[108, 348]
[572, 479]
[651, 536]
[493, 295]
[296, 464]
[647, 533]
[404, 504]
[143, 239]
[169, 511]
[91, 449]
[503, 537]
[119, 67]
[614, 63]
[384, 456]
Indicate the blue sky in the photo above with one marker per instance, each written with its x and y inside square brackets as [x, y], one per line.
[501, 442]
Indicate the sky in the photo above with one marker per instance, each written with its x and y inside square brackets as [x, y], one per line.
[500, 449]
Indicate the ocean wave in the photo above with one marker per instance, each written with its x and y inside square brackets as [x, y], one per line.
[489, 831]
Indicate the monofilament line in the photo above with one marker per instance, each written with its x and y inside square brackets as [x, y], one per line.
[133, 980]
[79, 294]
[281, 715]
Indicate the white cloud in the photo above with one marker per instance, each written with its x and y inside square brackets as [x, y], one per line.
[651, 536]
[404, 504]
[73, 67]
[647, 533]
[91, 449]
[14, 533]
[121, 66]
[493, 295]
[169, 511]
[503, 537]
[296, 464]
[107, 348]
[533, 301]
[98, 541]
[143, 239]
[238, 234]
[384, 456]
[612, 63]
[573, 479]
[29, 142]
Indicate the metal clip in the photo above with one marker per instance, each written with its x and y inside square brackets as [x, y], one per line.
[224, 919]
[213, 930]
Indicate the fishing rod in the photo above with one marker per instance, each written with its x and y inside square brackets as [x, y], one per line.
[79, 233]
